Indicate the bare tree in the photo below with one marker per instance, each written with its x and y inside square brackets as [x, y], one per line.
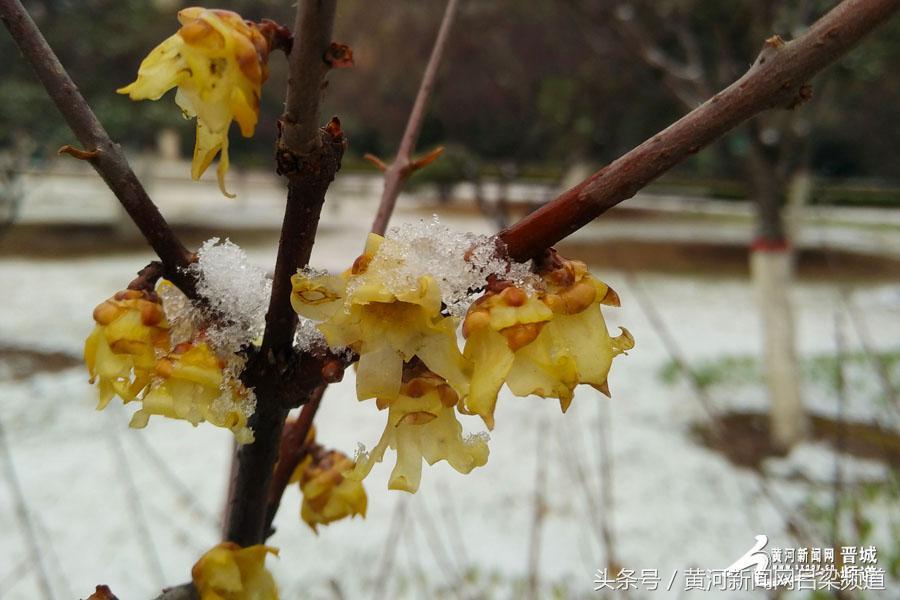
[663, 36]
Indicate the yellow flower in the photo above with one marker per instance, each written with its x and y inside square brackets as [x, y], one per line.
[121, 351]
[421, 425]
[191, 385]
[386, 318]
[328, 496]
[496, 326]
[229, 572]
[545, 342]
[219, 62]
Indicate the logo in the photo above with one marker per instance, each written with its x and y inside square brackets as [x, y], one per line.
[756, 558]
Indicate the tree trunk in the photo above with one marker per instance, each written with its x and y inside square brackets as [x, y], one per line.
[772, 274]
[771, 268]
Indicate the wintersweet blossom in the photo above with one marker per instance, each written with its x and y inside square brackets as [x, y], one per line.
[422, 425]
[229, 572]
[496, 326]
[191, 385]
[543, 342]
[328, 496]
[122, 350]
[388, 320]
[218, 61]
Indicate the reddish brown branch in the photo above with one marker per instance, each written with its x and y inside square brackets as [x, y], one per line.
[312, 35]
[185, 591]
[147, 278]
[105, 156]
[308, 157]
[399, 171]
[78, 153]
[102, 592]
[291, 452]
[339, 56]
[777, 79]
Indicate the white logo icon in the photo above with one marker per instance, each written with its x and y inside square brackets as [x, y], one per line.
[754, 557]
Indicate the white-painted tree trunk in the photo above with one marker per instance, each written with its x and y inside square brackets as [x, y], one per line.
[772, 273]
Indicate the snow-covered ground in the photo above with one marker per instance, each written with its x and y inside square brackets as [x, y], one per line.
[90, 482]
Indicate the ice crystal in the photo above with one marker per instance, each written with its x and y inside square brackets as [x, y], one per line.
[459, 262]
[308, 337]
[236, 291]
[184, 318]
[477, 437]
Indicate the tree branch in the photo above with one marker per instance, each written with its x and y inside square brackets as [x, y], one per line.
[292, 450]
[104, 155]
[403, 166]
[777, 79]
[300, 121]
[308, 157]
[185, 591]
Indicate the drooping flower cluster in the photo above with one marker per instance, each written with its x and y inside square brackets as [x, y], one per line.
[543, 343]
[130, 353]
[229, 572]
[422, 425]
[386, 321]
[540, 335]
[218, 61]
[328, 495]
[122, 350]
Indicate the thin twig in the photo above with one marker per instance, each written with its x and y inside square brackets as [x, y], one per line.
[53, 555]
[104, 155]
[673, 349]
[23, 516]
[605, 481]
[600, 514]
[684, 80]
[453, 525]
[308, 157]
[571, 460]
[185, 591]
[801, 531]
[414, 553]
[178, 486]
[15, 575]
[457, 562]
[147, 277]
[438, 550]
[777, 79]
[403, 166]
[538, 514]
[291, 452]
[841, 434]
[391, 545]
[865, 340]
[143, 533]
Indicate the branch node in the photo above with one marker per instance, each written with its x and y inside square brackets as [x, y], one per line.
[333, 128]
[317, 165]
[339, 56]
[803, 95]
[147, 277]
[78, 152]
[332, 371]
[277, 35]
[379, 164]
[102, 592]
[426, 160]
[775, 42]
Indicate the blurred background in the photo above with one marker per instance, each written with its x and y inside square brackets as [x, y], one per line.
[761, 280]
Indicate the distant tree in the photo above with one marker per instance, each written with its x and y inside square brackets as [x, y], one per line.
[696, 47]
